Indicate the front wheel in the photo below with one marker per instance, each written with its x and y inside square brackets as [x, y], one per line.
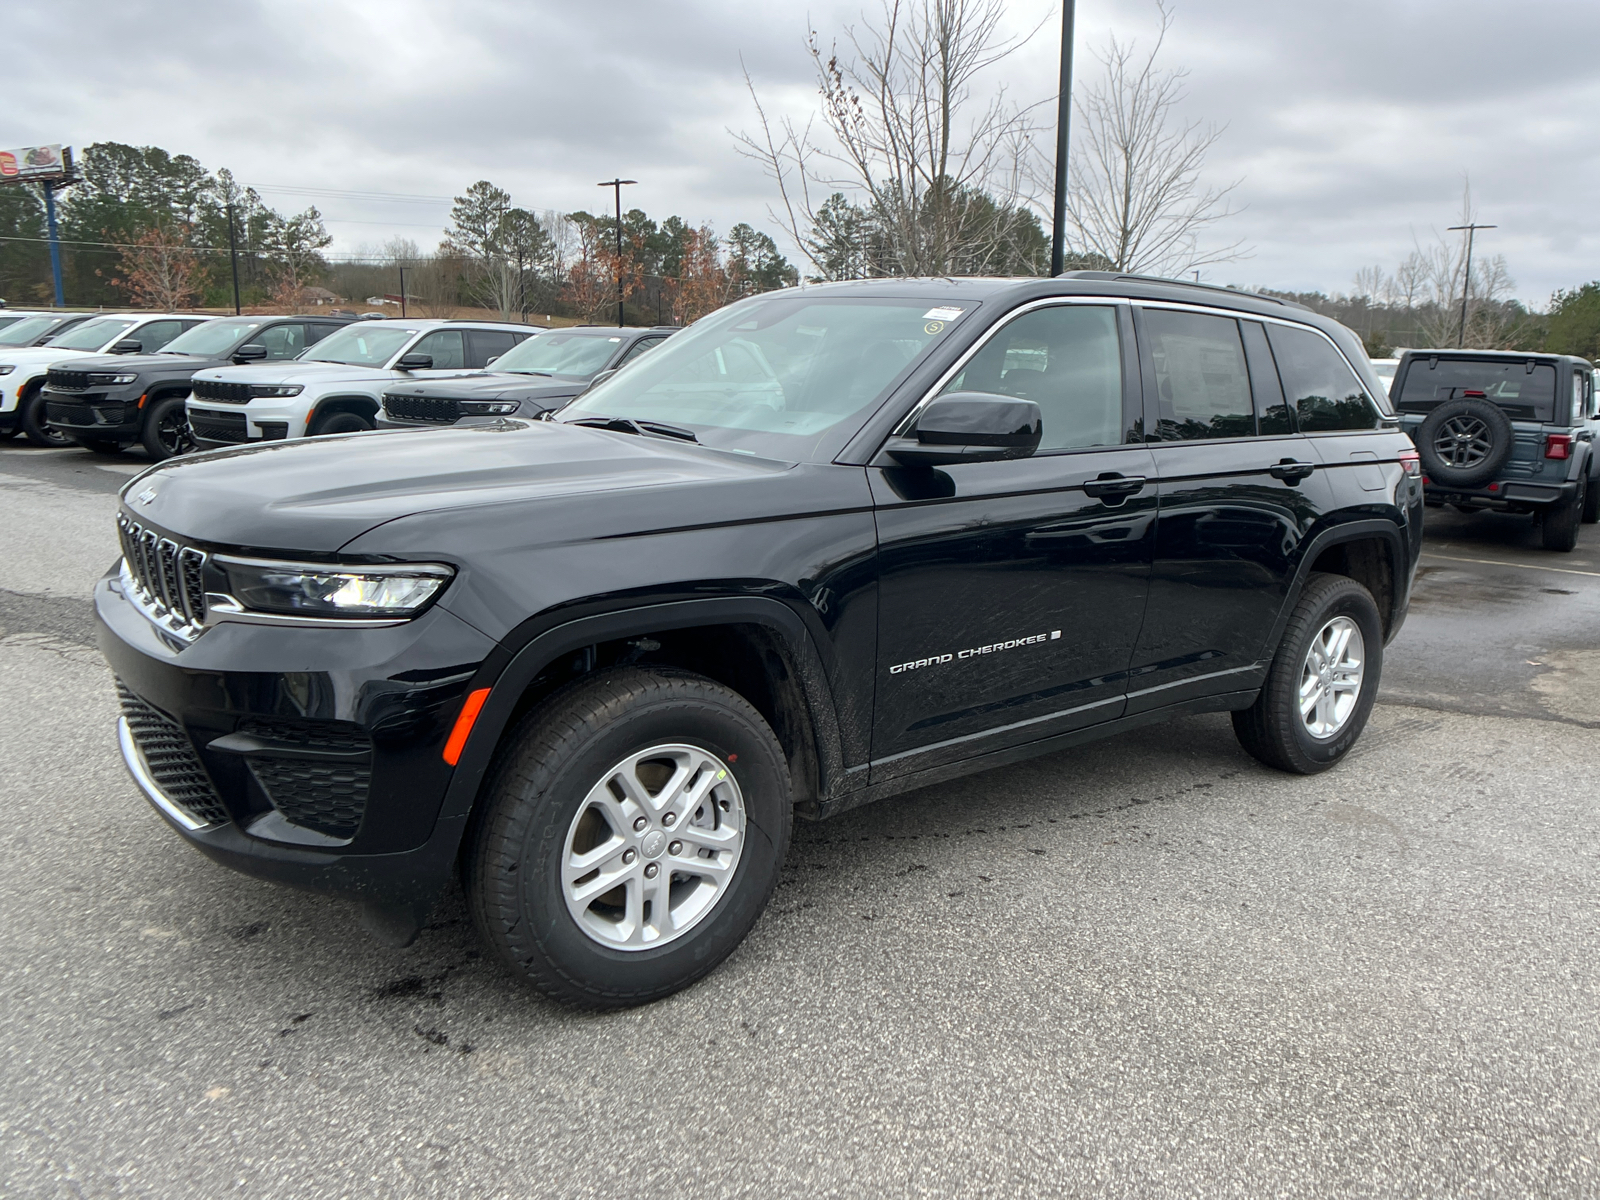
[34, 426]
[632, 833]
[342, 422]
[1320, 688]
[166, 431]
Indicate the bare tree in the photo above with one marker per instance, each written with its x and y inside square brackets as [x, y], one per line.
[1491, 324]
[936, 173]
[1137, 198]
[161, 268]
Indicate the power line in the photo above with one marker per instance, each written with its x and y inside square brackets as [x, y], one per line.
[345, 194]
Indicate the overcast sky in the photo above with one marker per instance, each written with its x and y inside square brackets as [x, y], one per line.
[1350, 124]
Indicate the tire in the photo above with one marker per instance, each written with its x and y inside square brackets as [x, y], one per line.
[1273, 729]
[165, 433]
[1591, 502]
[1559, 524]
[110, 447]
[33, 423]
[1464, 442]
[342, 422]
[544, 793]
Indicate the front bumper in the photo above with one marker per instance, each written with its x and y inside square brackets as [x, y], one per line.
[93, 414]
[216, 426]
[259, 744]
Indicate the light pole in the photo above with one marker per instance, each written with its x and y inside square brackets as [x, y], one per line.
[402, 291]
[1058, 232]
[233, 255]
[617, 185]
[1466, 278]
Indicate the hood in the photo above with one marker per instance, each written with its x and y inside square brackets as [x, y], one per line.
[492, 385]
[294, 371]
[163, 364]
[315, 495]
[43, 356]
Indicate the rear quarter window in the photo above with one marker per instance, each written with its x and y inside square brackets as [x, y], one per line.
[1525, 390]
[1318, 383]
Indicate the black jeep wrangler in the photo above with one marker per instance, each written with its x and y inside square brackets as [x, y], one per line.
[1507, 431]
[108, 404]
[824, 546]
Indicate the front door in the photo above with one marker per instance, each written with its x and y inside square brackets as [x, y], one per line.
[1011, 593]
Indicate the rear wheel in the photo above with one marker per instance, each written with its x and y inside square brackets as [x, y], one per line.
[342, 422]
[633, 832]
[1560, 523]
[166, 429]
[33, 423]
[1591, 503]
[1320, 688]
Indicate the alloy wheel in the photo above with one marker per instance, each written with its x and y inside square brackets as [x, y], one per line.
[173, 432]
[1330, 678]
[1463, 441]
[653, 847]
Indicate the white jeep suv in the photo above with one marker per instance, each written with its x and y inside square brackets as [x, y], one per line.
[337, 385]
[23, 368]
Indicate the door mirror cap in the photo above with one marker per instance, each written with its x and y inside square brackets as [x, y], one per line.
[415, 362]
[970, 427]
[128, 346]
[253, 352]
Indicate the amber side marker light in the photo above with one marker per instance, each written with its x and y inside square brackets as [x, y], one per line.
[464, 724]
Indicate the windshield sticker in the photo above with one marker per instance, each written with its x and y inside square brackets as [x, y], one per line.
[933, 327]
[942, 314]
[936, 660]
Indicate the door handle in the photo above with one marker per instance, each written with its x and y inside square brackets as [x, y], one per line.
[1110, 483]
[1290, 471]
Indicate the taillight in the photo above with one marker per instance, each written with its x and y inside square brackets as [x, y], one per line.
[1558, 445]
[1412, 462]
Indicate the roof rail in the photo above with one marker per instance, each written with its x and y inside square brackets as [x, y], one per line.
[1129, 277]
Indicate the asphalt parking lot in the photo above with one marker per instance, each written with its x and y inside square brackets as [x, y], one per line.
[1150, 967]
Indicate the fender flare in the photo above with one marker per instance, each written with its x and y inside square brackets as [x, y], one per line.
[508, 675]
[1350, 531]
[321, 405]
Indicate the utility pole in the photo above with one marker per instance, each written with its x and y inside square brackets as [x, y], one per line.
[402, 291]
[1058, 233]
[1466, 278]
[617, 185]
[233, 254]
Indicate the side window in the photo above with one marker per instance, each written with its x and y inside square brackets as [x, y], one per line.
[448, 347]
[1272, 411]
[282, 341]
[487, 344]
[639, 347]
[1202, 382]
[157, 334]
[1322, 389]
[315, 332]
[1066, 358]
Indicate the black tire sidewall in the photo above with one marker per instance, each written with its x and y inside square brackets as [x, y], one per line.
[1356, 603]
[358, 423]
[32, 422]
[150, 432]
[599, 975]
[1501, 433]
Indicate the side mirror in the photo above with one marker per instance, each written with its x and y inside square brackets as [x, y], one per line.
[128, 346]
[970, 427]
[253, 352]
[414, 362]
[491, 362]
[598, 379]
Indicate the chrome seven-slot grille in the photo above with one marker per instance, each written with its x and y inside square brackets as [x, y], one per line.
[169, 577]
[421, 408]
[67, 381]
[222, 393]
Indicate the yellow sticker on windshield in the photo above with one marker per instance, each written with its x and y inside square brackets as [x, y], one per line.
[933, 327]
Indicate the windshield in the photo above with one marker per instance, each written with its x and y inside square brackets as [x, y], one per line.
[211, 337]
[773, 376]
[369, 344]
[28, 330]
[92, 335]
[577, 354]
[1524, 389]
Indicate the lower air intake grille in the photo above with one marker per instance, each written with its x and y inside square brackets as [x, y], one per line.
[170, 758]
[325, 788]
[217, 426]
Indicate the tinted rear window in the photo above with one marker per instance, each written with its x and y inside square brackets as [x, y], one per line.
[1525, 391]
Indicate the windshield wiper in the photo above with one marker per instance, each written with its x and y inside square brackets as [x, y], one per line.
[624, 425]
[514, 371]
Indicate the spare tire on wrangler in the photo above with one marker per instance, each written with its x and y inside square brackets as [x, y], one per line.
[1464, 442]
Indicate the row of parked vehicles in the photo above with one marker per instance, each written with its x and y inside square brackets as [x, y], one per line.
[173, 383]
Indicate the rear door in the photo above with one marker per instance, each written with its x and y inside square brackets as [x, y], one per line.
[1240, 487]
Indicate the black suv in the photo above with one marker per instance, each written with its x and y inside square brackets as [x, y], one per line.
[823, 546]
[535, 377]
[107, 404]
[1507, 431]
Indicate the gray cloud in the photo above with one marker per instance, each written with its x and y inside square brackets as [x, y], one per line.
[1349, 125]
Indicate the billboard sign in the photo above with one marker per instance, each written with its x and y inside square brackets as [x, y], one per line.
[35, 163]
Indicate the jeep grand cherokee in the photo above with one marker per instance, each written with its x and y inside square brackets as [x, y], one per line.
[824, 546]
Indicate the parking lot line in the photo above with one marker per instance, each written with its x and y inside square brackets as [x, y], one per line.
[1494, 562]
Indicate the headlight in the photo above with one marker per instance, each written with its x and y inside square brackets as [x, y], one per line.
[102, 379]
[6, 368]
[316, 590]
[481, 408]
[288, 389]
